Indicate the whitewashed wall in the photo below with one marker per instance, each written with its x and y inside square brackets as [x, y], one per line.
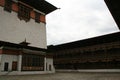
[0, 60]
[49, 61]
[0, 57]
[9, 59]
[15, 31]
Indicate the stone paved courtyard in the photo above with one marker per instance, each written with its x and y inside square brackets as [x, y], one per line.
[66, 76]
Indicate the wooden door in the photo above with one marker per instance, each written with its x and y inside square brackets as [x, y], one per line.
[14, 65]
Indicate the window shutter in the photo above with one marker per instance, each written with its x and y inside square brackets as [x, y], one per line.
[37, 17]
[23, 12]
[8, 5]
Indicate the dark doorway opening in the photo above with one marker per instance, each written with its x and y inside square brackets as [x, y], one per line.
[6, 66]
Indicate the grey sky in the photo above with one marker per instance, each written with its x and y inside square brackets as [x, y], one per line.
[77, 20]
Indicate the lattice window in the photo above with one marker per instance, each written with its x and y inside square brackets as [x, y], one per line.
[37, 17]
[32, 62]
[23, 12]
[8, 5]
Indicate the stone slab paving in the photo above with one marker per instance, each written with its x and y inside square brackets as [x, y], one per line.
[65, 76]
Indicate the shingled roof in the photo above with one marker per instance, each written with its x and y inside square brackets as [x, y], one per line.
[87, 42]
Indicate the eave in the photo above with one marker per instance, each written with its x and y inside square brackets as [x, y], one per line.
[114, 7]
[19, 46]
[40, 5]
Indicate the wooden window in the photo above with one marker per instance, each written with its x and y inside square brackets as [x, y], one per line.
[23, 12]
[37, 17]
[32, 62]
[8, 5]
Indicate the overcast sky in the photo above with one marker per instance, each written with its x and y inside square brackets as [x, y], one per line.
[78, 20]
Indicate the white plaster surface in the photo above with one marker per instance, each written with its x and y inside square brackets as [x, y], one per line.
[0, 57]
[9, 59]
[0, 60]
[49, 61]
[14, 30]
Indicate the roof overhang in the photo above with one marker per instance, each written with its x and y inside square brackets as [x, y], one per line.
[40, 5]
[114, 7]
[19, 46]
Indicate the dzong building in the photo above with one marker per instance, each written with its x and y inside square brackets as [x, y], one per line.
[23, 37]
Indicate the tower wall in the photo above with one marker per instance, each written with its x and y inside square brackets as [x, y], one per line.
[14, 30]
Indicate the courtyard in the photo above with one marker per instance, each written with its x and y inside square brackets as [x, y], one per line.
[66, 76]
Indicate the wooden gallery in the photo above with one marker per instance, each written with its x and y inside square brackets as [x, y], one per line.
[101, 52]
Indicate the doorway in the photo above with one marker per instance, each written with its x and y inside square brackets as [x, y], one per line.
[14, 66]
[50, 67]
[6, 66]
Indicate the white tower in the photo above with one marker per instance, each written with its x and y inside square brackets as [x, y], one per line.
[24, 19]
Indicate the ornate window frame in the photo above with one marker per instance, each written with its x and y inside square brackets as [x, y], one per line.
[8, 5]
[24, 12]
